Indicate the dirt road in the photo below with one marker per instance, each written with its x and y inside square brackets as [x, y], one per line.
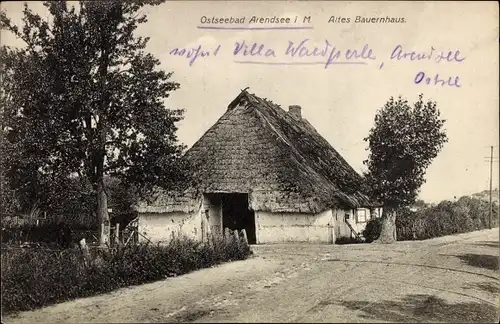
[449, 279]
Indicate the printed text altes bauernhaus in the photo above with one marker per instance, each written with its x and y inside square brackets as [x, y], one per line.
[251, 20]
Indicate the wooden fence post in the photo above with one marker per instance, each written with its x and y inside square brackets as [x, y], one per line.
[209, 238]
[85, 251]
[244, 234]
[117, 233]
[227, 234]
[204, 236]
[102, 231]
[236, 236]
[214, 238]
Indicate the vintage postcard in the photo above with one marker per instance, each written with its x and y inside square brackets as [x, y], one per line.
[249, 161]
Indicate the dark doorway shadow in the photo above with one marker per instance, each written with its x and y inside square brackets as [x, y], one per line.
[236, 214]
[423, 308]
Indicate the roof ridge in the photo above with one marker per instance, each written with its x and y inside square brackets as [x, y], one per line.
[274, 129]
[236, 101]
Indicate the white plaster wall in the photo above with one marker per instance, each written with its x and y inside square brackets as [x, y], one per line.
[158, 227]
[294, 227]
[323, 227]
[341, 228]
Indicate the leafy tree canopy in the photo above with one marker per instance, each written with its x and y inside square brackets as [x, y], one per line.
[84, 98]
[403, 142]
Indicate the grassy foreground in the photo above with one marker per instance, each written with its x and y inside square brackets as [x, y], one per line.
[33, 278]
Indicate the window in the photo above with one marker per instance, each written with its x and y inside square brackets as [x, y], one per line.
[362, 217]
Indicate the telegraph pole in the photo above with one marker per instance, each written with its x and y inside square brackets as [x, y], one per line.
[491, 159]
[491, 186]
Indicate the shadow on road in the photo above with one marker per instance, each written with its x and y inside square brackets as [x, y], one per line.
[189, 315]
[484, 261]
[423, 308]
[489, 287]
[493, 244]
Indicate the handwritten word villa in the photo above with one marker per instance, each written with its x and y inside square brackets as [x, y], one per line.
[308, 52]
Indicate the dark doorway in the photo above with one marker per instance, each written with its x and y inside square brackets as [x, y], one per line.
[237, 215]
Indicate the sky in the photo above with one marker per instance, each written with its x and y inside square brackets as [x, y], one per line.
[340, 100]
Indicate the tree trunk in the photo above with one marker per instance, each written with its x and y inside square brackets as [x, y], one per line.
[102, 129]
[388, 231]
[102, 213]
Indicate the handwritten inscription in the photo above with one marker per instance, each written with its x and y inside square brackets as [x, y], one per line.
[400, 54]
[253, 50]
[326, 53]
[437, 80]
[449, 56]
[194, 53]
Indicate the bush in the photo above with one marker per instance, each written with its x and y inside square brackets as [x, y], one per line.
[372, 229]
[348, 240]
[33, 278]
[447, 218]
[59, 234]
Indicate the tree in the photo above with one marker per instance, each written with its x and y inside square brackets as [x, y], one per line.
[8, 202]
[121, 199]
[88, 101]
[403, 142]
[419, 203]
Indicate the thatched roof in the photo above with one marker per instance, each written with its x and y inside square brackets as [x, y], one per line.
[279, 159]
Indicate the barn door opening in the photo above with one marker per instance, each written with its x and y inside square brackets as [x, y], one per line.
[236, 214]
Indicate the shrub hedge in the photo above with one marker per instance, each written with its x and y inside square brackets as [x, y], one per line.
[372, 230]
[32, 278]
[446, 218]
[59, 234]
[348, 240]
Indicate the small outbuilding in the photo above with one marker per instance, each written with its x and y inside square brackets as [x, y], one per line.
[265, 170]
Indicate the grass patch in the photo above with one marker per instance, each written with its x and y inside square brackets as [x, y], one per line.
[33, 278]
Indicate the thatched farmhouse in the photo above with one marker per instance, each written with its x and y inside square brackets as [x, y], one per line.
[265, 170]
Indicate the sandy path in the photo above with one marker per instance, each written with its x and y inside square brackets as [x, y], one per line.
[449, 279]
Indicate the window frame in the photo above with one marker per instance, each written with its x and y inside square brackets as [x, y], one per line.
[366, 216]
